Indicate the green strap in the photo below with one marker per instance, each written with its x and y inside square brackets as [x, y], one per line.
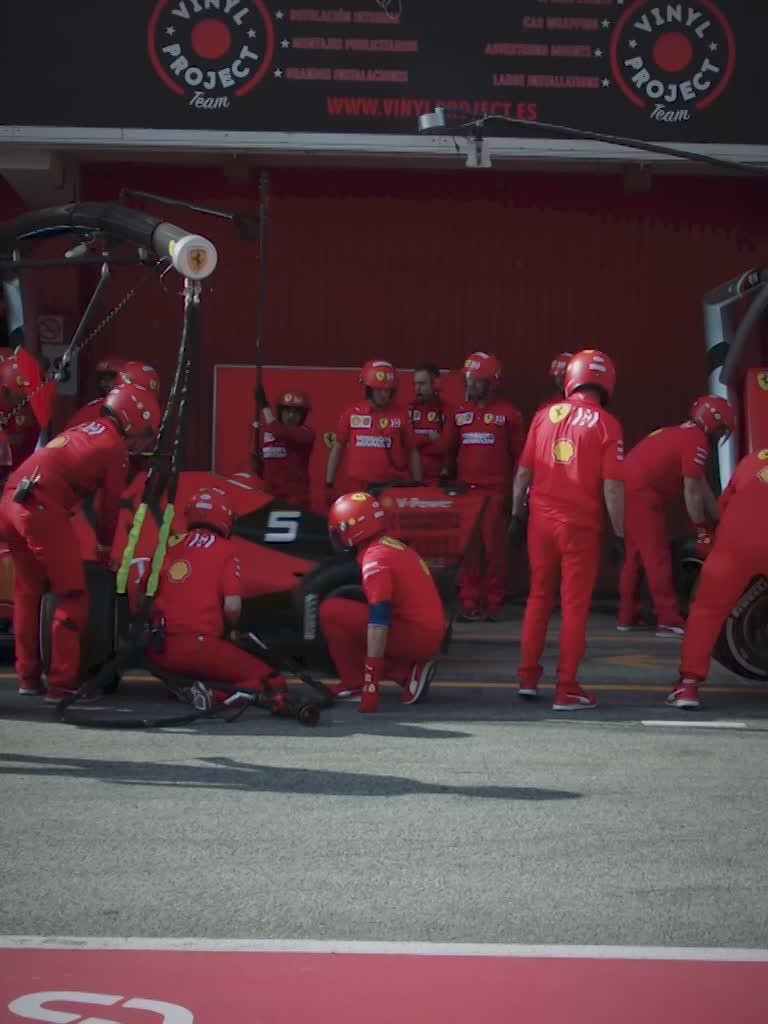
[130, 547]
[162, 546]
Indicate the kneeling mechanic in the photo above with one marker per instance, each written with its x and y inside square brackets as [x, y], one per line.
[398, 634]
[199, 594]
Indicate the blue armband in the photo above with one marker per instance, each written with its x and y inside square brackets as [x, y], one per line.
[380, 613]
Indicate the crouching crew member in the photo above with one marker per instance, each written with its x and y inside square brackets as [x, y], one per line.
[429, 413]
[738, 554]
[399, 633]
[485, 438]
[35, 510]
[374, 437]
[286, 447]
[668, 461]
[573, 456]
[199, 596]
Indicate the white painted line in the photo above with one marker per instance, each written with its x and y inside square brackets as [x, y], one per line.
[686, 724]
[387, 948]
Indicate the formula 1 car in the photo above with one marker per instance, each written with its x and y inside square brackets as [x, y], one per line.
[288, 565]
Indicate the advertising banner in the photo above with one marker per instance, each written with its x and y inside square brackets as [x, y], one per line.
[663, 71]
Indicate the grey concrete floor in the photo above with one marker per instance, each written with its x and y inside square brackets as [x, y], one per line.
[472, 817]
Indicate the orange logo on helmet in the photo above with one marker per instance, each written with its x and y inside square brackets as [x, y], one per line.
[558, 412]
[57, 442]
[564, 451]
[179, 571]
[359, 496]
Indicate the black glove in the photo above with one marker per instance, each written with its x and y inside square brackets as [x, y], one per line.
[516, 531]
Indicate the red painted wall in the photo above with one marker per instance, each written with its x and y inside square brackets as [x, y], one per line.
[410, 265]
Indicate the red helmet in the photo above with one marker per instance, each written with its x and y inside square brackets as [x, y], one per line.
[559, 364]
[590, 368]
[714, 415]
[482, 366]
[356, 517]
[135, 409]
[210, 507]
[378, 373]
[294, 400]
[141, 374]
[109, 365]
[11, 376]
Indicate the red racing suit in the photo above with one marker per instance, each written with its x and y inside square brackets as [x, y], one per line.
[392, 572]
[377, 444]
[653, 475]
[486, 441]
[571, 449]
[43, 544]
[286, 452]
[86, 413]
[428, 420]
[199, 571]
[739, 553]
[21, 433]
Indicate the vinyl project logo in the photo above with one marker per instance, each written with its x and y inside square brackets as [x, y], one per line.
[673, 59]
[211, 52]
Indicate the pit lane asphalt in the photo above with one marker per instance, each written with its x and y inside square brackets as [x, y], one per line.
[473, 817]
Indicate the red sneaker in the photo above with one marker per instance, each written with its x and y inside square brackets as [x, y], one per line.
[57, 693]
[31, 689]
[470, 615]
[673, 632]
[685, 696]
[418, 682]
[573, 699]
[369, 699]
[341, 691]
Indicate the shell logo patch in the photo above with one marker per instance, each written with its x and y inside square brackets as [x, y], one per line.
[558, 412]
[564, 451]
[58, 442]
[179, 571]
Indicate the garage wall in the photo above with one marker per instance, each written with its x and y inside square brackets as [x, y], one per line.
[412, 265]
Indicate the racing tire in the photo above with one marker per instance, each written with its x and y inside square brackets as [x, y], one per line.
[97, 645]
[742, 646]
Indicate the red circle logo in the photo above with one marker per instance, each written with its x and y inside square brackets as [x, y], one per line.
[671, 59]
[210, 53]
